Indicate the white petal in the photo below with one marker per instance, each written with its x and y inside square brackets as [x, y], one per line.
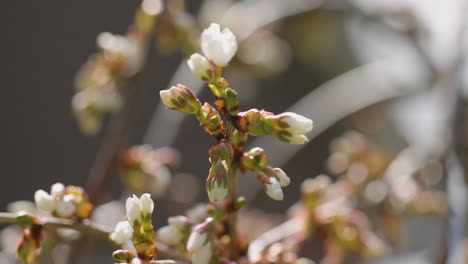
[166, 98]
[284, 180]
[123, 232]
[199, 66]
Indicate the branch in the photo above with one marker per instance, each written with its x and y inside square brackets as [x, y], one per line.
[276, 234]
[90, 228]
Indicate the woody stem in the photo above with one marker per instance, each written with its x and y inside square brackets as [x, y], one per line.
[232, 192]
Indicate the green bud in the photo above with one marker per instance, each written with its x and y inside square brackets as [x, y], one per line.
[254, 160]
[23, 218]
[232, 103]
[123, 255]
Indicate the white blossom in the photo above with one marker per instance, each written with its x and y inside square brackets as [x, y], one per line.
[123, 232]
[146, 204]
[273, 189]
[44, 201]
[218, 46]
[283, 178]
[132, 206]
[57, 190]
[202, 255]
[66, 206]
[199, 66]
[169, 235]
[136, 261]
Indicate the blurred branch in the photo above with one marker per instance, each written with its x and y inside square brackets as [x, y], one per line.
[120, 129]
[87, 227]
[255, 14]
[276, 234]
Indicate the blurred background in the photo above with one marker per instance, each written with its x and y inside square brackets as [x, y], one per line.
[388, 76]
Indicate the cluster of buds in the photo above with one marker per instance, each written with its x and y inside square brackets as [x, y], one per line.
[144, 169]
[64, 202]
[218, 48]
[136, 235]
[100, 80]
[272, 179]
[287, 127]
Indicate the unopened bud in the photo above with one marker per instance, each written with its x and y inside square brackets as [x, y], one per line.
[222, 150]
[199, 66]
[132, 206]
[44, 201]
[282, 177]
[210, 119]
[289, 127]
[180, 222]
[273, 189]
[217, 184]
[169, 235]
[203, 255]
[232, 103]
[180, 98]
[146, 204]
[199, 236]
[66, 206]
[123, 232]
[57, 190]
[253, 160]
[122, 255]
[253, 121]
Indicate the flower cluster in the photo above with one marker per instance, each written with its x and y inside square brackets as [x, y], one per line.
[144, 169]
[218, 48]
[135, 235]
[100, 81]
[64, 202]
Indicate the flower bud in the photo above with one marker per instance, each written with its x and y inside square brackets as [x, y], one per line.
[289, 127]
[232, 103]
[199, 236]
[254, 160]
[273, 189]
[217, 184]
[27, 248]
[123, 232]
[57, 190]
[123, 256]
[66, 206]
[218, 46]
[253, 121]
[169, 235]
[197, 213]
[180, 98]
[44, 201]
[203, 255]
[282, 177]
[146, 204]
[222, 150]
[180, 223]
[132, 206]
[210, 119]
[199, 66]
